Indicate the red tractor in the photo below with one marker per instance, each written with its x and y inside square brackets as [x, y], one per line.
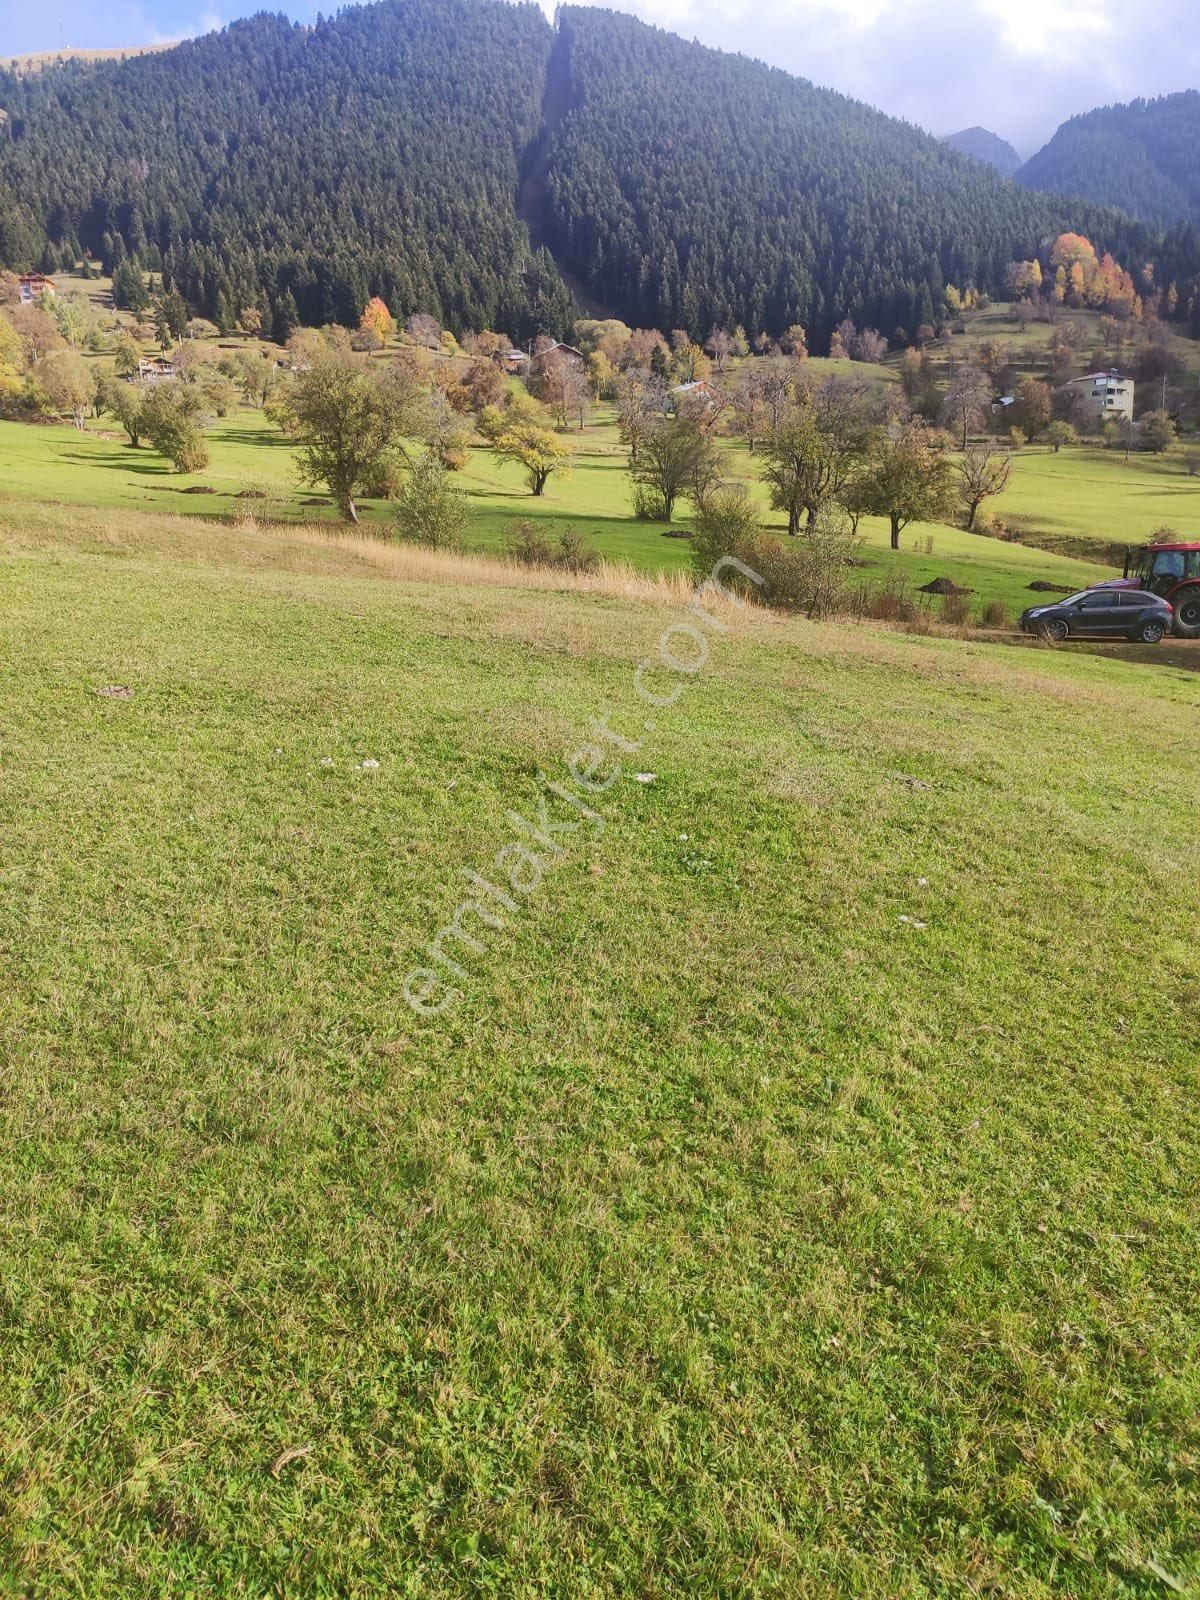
[1171, 570]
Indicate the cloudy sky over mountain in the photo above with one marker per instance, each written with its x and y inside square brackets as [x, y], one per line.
[1018, 67]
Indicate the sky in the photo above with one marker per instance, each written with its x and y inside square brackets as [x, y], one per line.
[1019, 67]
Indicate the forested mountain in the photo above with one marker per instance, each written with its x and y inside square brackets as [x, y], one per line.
[410, 149]
[302, 168]
[689, 188]
[981, 144]
[1143, 157]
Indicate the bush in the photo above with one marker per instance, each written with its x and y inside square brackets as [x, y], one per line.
[574, 552]
[956, 609]
[805, 573]
[891, 601]
[430, 511]
[383, 479]
[191, 452]
[1156, 432]
[526, 544]
[726, 522]
[648, 504]
[994, 615]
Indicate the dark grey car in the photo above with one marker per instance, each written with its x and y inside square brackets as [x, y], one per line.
[1102, 613]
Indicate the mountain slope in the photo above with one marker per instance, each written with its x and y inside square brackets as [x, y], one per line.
[692, 188]
[1143, 157]
[411, 149]
[305, 166]
[981, 144]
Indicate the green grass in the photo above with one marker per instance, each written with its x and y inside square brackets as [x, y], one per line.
[60, 465]
[734, 1236]
[1085, 497]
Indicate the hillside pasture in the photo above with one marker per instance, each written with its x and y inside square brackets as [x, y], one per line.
[98, 469]
[800, 1200]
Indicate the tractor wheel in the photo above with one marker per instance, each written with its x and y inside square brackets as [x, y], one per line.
[1187, 614]
[1056, 630]
[1152, 633]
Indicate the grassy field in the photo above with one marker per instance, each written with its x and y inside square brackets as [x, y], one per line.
[99, 470]
[1085, 498]
[800, 1200]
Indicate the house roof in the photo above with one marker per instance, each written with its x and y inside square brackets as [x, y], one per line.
[553, 350]
[1102, 377]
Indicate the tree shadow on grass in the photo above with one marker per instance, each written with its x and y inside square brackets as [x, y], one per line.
[253, 437]
[542, 511]
[151, 468]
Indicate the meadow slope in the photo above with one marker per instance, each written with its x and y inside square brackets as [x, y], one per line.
[801, 1200]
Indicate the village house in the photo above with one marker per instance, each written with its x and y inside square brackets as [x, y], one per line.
[155, 368]
[700, 390]
[514, 360]
[33, 285]
[1106, 394]
[558, 352]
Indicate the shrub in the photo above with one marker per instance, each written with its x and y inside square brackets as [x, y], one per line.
[430, 511]
[383, 479]
[191, 454]
[574, 552]
[648, 504]
[806, 573]
[893, 600]
[527, 544]
[726, 521]
[994, 615]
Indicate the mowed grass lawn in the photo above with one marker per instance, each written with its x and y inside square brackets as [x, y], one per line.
[98, 470]
[733, 1235]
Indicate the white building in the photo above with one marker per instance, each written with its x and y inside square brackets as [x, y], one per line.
[1108, 394]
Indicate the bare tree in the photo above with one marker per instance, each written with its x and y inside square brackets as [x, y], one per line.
[720, 346]
[982, 473]
[561, 382]
[424, 329]
[641, 402]
[968, 402]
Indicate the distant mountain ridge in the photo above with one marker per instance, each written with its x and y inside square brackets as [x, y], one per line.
[1143, 157]
[981, 144]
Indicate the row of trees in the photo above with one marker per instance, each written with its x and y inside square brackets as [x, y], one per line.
[834, 441]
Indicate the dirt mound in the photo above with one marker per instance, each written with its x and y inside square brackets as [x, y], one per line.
[316, 500]
[943, 586]
[251, 494]
[677, 533]
[1040, 586]
[198, 488]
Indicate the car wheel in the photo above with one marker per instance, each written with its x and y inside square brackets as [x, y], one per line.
[1056, 630]
[1187, 615]
[1151, 633]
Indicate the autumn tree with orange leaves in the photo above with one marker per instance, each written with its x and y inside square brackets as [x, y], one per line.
[377, 319]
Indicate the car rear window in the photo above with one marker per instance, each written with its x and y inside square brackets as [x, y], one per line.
[1136, 597]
